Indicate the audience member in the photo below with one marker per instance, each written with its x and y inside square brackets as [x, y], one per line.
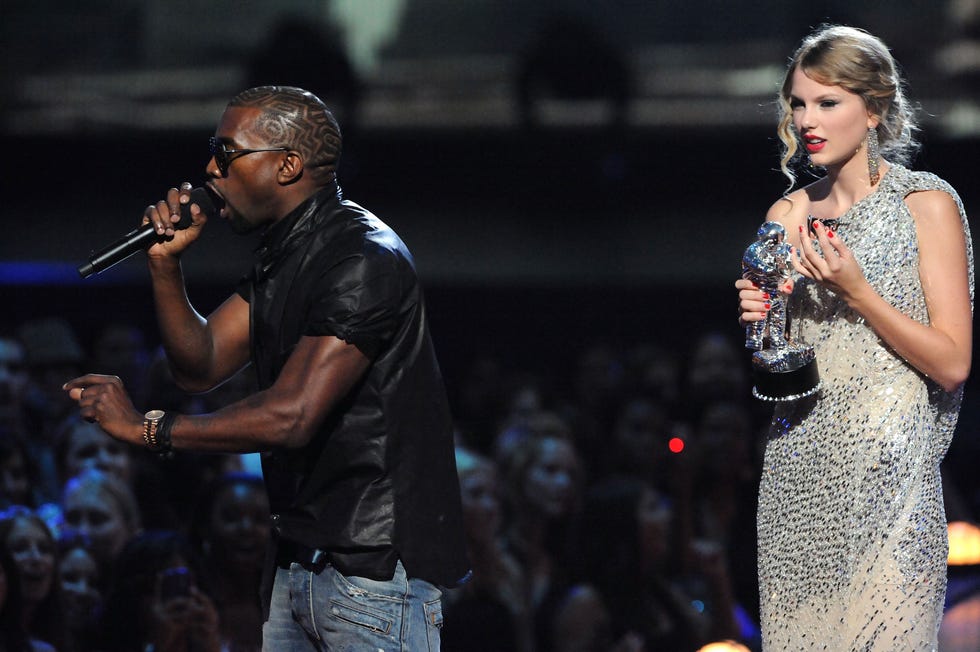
[52, 354]
[101, 508]
[627, 597]
[156, 486]
[81, 594]
[524, 397]
[81, 445]
[13, 635]
[724, 481]
[490, 613]
[534, 424]
[593, 399]
[543, 485]
[159, 599]
[31, 545]
[651, 446]
[640, 440]
[18, 474]
[655, 371]
[231, 532]
[717, 370]
[13, 384]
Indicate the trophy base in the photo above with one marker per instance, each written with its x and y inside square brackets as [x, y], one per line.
[785, 385]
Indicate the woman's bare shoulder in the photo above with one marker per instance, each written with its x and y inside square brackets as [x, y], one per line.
[932, 204]
[790, 210]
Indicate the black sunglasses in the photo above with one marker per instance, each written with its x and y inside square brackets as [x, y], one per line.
[223, 158]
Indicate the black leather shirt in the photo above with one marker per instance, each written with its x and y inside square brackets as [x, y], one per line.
[378, 482]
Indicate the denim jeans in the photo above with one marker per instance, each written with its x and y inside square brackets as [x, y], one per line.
[331, 612]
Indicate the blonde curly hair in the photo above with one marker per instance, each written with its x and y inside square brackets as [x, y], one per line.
[837, 55]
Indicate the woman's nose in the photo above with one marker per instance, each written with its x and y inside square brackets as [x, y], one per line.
[807, 119]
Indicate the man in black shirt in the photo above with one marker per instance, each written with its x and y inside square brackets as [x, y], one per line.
[351, 415]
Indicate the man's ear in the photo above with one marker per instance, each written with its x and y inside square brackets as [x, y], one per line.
[292, 167]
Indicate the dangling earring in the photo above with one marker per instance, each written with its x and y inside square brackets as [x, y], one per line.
[874, 153]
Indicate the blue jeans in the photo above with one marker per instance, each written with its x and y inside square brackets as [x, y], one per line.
[331, 612]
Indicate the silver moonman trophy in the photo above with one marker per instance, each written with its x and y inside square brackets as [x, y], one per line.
[782, 370]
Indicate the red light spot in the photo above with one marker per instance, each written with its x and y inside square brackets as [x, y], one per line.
[676, 444]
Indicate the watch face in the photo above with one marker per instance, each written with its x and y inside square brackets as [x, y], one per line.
[153, 415]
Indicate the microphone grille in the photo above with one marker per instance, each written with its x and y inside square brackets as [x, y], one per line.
[203, 198]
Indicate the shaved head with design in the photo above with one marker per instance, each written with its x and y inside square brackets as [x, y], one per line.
[297, 119]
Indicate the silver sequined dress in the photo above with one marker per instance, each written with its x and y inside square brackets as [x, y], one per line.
[852, 532]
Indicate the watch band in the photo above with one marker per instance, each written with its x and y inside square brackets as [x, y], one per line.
[151, 425]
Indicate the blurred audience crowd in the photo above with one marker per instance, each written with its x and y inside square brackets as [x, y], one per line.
[608, 507]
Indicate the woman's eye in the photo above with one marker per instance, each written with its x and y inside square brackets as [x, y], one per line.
[828, 104]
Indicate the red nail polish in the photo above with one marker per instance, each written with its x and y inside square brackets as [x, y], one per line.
[801, 228]
[830, 234]
[788, 287]
[765, 295]
[766, 306]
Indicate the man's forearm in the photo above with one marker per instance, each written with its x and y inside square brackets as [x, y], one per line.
[183, 331]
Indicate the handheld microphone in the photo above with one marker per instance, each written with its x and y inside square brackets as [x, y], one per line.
[138, 239]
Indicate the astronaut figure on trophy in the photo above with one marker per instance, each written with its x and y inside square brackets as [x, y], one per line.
[784, 371]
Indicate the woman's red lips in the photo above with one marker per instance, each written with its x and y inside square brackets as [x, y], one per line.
[814, 144]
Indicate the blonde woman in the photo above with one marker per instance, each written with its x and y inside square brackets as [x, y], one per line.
[852, 532]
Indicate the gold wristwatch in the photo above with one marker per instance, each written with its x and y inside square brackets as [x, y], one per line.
[151, 421]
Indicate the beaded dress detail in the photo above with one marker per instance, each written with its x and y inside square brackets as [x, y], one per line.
[852, 530]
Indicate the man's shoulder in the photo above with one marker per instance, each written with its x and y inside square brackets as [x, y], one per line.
[365, 233]
[353, 245]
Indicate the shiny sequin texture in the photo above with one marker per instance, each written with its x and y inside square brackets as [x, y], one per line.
[852, 531]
